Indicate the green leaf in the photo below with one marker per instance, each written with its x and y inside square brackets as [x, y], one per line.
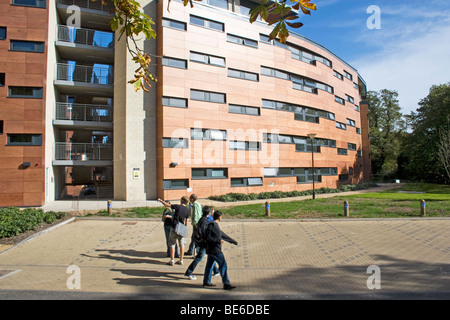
[137, 85]
[114, 24]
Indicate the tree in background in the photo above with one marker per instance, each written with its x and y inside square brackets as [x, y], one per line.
[430, 125]
[387, 126]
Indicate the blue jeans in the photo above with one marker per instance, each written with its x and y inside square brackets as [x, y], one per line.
[199, 257]
[220, 259]
[167, 232]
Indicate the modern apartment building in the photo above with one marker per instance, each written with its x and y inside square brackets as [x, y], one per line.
[231, 111]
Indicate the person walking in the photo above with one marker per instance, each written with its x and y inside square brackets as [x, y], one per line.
[200, 244]
[167, 220]
[181, 214]
[214, 238]
[196, 214]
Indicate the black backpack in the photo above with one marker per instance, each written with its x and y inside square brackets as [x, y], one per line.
[199, 236]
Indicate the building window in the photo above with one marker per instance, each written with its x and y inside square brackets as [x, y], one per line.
[253, 111]
[213, 173]
[174, 102]
[175, 184]
[174, 62]
[338, 75]
[2, 79]
[1, 126]
[246, 182]
[351, 123]
[2, 33]
[349, 98]
[301, 113]
[233, 73]
[17, 139]
[245, 145]
[352, 146]
[299, 82]
[348, 75]
[179, 143]
[30, 3]
[358, 130]
[303, 84]
[303, 175]
[27, 46]
[218, 3]
[206, 23]
[25, 92]
[174, 24]
[343, 177]
[339, 100]
[207, 96]
[274, 73]
[242, 40]
[342, 151]
[207, 59]
[208, 134]
[341, 125]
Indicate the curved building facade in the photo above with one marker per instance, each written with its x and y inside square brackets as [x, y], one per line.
[234, 110]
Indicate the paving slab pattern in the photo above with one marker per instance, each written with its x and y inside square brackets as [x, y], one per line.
[281, 259]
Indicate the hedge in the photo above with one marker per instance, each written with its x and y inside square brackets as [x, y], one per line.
[233, 197]
[14, 221]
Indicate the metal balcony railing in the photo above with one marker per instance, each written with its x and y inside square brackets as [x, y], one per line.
[83, 112]
[83, 151]
[102, 5]
[86, 74]
[87, 37]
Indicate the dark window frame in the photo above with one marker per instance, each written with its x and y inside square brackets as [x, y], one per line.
[245, 182]
[206, 23]
[166, 102]
[209, 174]
[166, 61]
[167, 184]
[38, 3]
[38, 92]
[3, 33]
[180, 143]
[166, 22]
[39, 46]
[35, 139]
[208, 96]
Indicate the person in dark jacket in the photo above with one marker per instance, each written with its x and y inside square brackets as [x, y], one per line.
[200, 244]
[214, 238]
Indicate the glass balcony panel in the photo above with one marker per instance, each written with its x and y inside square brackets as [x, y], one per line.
[83, 151]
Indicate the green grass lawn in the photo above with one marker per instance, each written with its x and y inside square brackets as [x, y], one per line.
[401, 202]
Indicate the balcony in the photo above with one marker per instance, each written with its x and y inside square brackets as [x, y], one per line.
[73, 115]
[79, 43]
[75, 79]
[96, 14]
[83, 154]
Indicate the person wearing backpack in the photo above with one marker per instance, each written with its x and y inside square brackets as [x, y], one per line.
[214, 238]
[198, 237]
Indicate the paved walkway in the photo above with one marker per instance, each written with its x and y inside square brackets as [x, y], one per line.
[275, 259]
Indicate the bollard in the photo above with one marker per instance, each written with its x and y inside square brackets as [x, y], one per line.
[346, 211]
[109, 206]
[423, 211]
[267, 208]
